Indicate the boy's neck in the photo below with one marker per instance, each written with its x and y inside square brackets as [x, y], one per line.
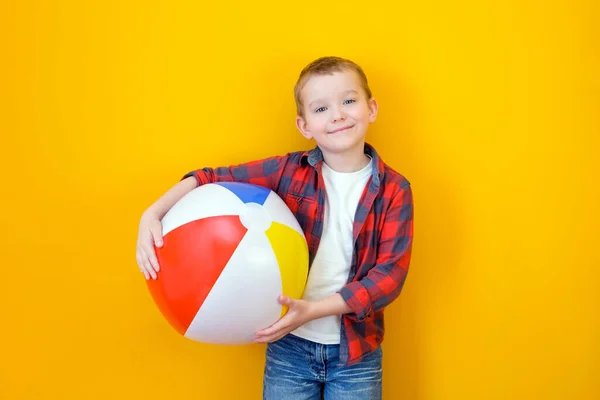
[350, 161]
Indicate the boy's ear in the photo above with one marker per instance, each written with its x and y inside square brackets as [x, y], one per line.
[303, 127]
[373, 108]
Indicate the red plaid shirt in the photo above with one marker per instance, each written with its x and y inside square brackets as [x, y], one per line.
[383, 233]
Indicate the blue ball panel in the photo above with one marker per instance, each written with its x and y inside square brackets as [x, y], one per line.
[247, 192]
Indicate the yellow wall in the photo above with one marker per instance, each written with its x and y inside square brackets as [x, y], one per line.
[490, 110]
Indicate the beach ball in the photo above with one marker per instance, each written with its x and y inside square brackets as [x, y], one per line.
[229, 250]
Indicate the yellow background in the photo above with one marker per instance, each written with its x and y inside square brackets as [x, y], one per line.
[489, 108]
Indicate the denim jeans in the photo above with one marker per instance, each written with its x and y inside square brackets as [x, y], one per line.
[298, 369]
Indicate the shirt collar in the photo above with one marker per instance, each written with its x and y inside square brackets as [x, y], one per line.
[315, 156]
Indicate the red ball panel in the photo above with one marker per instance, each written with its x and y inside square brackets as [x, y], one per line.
[191, 259]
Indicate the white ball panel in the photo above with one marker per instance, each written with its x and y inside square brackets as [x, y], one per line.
[197, 204]
[244, 298]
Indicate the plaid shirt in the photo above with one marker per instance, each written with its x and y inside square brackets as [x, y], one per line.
[382, 232]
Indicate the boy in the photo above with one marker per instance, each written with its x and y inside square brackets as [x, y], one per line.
[357, 215]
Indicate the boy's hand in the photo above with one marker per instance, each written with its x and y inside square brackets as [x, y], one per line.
[299, 313]
[150, 234]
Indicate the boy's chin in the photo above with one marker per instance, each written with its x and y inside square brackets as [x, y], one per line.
[341, 146]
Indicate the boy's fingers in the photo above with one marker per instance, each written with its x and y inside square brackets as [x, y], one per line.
[154, 262]
[275, 328]
[150, 255]
[287, 301]
[157, 236]
[276, 338]
[149, 269]
[268, 331]
[140, 263]
[146, 265]
[270, 338]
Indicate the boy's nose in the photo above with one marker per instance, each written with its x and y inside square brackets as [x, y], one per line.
[337, 116]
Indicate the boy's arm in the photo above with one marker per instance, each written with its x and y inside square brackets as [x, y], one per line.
[160, 207]
[265, 172]
[384, 282]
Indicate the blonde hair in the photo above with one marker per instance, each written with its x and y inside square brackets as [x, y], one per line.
[326, 66]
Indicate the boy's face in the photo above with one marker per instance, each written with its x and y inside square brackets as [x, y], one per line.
[337, 112]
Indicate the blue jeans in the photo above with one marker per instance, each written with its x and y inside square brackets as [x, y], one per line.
[298, 369]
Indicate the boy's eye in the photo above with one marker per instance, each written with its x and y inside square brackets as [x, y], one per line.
[349, 101]
[320, 109]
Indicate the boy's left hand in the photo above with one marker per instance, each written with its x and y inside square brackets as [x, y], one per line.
[299, 313]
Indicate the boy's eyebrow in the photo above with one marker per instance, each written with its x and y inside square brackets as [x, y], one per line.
[310, 105]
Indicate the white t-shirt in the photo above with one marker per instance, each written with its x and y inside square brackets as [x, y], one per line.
[331, 266]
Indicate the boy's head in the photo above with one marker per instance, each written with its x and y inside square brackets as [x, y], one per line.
[327, 66]
[334, 104]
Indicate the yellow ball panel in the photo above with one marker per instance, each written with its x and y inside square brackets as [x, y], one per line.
[291, 252]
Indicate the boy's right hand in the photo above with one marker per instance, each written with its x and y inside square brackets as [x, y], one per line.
[149, 235]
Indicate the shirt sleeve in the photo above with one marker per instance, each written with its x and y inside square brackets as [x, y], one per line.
[265, 172]
[384, 282]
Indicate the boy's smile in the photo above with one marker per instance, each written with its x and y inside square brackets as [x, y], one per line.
[341, 129]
